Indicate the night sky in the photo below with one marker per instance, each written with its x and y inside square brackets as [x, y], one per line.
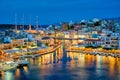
[54, 11]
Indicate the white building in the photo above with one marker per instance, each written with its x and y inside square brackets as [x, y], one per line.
[71, 23]
[93, 42]
[110, 39]
[106, 31]
[96, 20]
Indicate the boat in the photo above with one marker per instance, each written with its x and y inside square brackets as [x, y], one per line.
[8, 65]
[22, 62]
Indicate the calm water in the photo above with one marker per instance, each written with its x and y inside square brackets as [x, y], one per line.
[67, 66]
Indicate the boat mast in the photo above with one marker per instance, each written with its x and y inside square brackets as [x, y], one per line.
[16, 22]
[36, 22]
[30, 24]
[23, 22]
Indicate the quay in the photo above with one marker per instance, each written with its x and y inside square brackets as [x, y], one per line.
[95, 53]
[43, 53]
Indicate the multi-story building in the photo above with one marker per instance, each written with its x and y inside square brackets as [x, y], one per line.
[93, 42]
[115, 40]
[110, 39]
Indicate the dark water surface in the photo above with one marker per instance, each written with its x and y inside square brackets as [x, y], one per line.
[67, 66]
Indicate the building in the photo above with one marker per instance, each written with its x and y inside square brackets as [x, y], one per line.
[2, 35]
[93, 42]
[65, 26]
[110, 39]
[119, 42]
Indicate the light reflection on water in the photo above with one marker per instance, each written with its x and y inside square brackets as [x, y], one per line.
[67, 66]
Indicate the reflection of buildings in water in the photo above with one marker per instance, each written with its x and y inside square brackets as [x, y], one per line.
[25, 69]
[82, 60]
[118, 64]
[89, 60]
[2, 75]
[73, 58]
[8, 75]
[20, 72]
[17, 73]
[31, 61]
[112, 65]
[109, 63]
[106, 59]
[50, 58]
[98, 61]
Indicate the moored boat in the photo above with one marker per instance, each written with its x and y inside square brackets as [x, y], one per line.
[22, 62]
[8, 65]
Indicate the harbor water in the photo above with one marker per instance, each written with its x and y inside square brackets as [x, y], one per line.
[61, 65]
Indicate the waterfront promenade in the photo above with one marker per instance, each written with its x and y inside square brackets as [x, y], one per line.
[95, 53]
[41, 52]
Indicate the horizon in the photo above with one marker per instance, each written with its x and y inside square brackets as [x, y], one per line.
[51, 12]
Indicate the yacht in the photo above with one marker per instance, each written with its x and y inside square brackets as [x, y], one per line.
[8, 65]
[22, 62]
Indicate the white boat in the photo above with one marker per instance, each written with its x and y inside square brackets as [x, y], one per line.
[22, 63]
[8, 65]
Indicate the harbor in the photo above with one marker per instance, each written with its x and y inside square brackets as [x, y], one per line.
[59, 40]
[50, 65]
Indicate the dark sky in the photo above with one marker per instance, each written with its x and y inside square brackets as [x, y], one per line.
[53, 11]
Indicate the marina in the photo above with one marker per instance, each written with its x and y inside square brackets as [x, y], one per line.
[59, 40]
[56, 65]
